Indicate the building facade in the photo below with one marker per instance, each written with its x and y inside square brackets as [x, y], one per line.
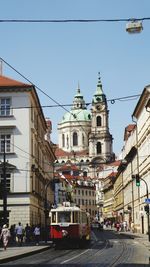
[26, 154]
[136, 152]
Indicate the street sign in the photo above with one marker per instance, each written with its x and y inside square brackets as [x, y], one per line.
[147, 200]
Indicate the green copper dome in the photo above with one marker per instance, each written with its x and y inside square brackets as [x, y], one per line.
[77, 115]
[78, 111]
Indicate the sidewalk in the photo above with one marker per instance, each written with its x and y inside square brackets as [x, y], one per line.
[16, 252]
[142, 238]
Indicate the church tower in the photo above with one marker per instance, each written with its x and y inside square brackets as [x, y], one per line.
[100, 139]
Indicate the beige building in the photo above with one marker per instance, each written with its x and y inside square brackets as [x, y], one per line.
[136, 152]
[26, 154]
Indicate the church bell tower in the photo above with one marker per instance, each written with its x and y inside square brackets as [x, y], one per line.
[100, 139]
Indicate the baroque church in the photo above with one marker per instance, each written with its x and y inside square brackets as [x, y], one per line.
[83, 135]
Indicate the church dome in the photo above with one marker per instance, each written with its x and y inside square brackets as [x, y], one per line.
[78, 111]
[77, 115]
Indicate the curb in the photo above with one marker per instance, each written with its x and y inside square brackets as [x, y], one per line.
[23, 254]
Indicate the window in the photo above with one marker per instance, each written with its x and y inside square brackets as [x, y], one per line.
[67, 141]
[99, 120]
[75, 217]
[5, 138]
[99, 148]
[83, 140]
[85, 173]
[7, 182]
[63, 140]
[75, 139]
[64, 217]
[53, 218]
[5, 106]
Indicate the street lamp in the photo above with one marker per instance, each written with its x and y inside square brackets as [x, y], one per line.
[5, 185]
[46, 210]
[148, 221]
[134, 26]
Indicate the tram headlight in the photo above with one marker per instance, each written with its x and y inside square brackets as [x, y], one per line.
[64, 233]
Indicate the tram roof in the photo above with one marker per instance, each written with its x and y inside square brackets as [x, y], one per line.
[66, 208]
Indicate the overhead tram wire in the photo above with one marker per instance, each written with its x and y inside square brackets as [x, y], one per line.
[60, 105]
[71, 20]
[56, 102]
[113, 100]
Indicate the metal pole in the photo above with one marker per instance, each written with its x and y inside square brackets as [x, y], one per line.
[5, 187]
[45, 207]
[148, 225]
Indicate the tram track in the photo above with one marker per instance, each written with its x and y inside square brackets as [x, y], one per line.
[120, 256]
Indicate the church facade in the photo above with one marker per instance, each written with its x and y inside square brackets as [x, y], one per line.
[83, 135]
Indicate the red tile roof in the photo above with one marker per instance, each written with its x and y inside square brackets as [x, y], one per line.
[7, 82]
[128, 131]
[61, 153]
[68, 166]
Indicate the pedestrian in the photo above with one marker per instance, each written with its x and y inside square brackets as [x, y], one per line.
[19, 233]
[37, 233]
[118, 226]
[5, 236]
[13, 233]
[27, 233]
[132, 227]
[125, 226]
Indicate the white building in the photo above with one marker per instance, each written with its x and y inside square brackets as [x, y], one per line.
[27, 154]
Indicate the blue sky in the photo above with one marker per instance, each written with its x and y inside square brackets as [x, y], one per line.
[56, 56]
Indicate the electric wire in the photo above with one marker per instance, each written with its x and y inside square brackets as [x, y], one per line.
[60, 105]
[113, 100]
[71, 20]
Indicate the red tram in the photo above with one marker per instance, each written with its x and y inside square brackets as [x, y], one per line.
[69, 223]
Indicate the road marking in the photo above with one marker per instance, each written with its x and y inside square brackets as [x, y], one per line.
[75, 256]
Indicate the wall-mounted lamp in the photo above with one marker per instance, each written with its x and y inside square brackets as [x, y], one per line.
[148, 105]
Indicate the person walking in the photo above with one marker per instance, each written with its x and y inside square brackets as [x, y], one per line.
[19, 233]
[5, 235]
[28, 233]
[37, 233]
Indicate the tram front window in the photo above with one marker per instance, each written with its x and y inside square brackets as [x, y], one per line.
[64, 217]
